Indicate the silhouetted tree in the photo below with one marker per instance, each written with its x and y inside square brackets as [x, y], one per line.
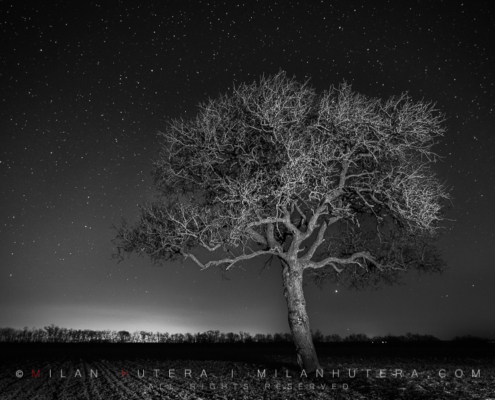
[124, 336]
[357, 337]
[333, 338]
[337, 185]
[259, 338]
[52, 332]
[470, 339]
[317, 336]
[278, 338]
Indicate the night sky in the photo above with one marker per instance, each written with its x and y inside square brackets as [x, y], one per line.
[86, 86]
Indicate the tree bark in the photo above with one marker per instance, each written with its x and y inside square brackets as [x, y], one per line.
[298, 317]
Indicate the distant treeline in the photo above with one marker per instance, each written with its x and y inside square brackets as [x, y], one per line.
[55, 334]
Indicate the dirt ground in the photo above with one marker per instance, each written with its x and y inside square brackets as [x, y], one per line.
[153, 371]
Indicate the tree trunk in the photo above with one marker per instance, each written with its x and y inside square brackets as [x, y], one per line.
[298, 318]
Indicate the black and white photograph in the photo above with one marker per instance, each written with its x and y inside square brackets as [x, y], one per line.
[247, 200]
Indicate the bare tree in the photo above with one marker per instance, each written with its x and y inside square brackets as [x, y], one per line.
[336, 185]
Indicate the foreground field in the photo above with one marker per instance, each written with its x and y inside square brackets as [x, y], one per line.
[244, 372]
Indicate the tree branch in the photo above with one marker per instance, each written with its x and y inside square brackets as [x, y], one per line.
[343, 174]
[356, 258]
[210, 248]
[256, 236]
[266, 221]
[272, 243]
[288, 223]
[319, 240]
[231, 261]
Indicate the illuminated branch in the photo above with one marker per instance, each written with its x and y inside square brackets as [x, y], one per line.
[230, 261]
[358, 258]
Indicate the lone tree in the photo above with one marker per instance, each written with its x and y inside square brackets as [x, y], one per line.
[337, 186]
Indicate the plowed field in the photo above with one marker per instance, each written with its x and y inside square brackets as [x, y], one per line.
[152, 371]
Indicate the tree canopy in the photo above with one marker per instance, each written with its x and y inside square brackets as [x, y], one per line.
[338, 181]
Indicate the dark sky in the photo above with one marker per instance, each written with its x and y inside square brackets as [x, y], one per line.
[85, 87]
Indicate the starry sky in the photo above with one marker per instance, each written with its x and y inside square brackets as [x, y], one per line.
[86, 86]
